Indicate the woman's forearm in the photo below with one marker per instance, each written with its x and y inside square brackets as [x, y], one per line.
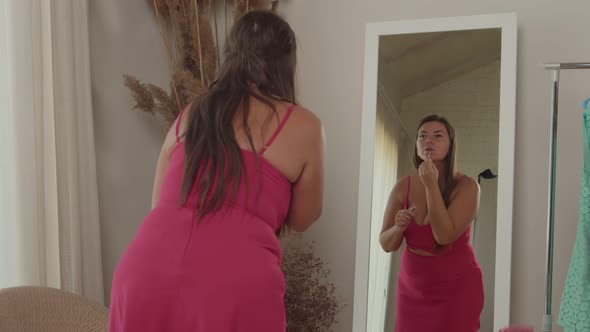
[440, 221]
[391, 239]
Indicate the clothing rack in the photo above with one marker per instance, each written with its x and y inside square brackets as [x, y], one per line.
[555, 67]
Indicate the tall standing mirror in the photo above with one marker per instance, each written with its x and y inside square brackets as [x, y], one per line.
[463, 69]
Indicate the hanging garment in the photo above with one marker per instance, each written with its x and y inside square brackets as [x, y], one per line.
[574, 314]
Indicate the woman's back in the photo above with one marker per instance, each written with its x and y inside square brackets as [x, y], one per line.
[264, 190]
[233, 250]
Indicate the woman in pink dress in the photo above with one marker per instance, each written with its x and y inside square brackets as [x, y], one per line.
[239, 165]
[440, 283]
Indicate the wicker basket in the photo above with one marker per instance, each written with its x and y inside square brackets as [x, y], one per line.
[43, 309]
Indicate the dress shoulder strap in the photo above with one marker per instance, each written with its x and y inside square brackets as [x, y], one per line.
[179, 120]
[280, 127]
[178, 125]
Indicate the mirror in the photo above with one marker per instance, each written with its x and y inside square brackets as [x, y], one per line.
[464, 69]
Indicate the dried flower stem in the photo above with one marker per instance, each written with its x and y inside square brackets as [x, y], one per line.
[176, 36]
[170, 61]
[162, 35]
[217, 40]
[199, 43]
[225, 15]
[311, 302]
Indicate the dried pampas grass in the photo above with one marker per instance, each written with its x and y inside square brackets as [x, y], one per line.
[311, 303]
[190, 37]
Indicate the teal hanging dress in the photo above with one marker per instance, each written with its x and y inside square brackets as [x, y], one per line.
[574, 314]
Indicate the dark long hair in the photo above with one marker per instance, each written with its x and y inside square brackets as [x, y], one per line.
[446, 181]
[260, 60]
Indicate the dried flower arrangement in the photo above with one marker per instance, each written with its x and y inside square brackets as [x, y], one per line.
[310, 299]
[190, 35]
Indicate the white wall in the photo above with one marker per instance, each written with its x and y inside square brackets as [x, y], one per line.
[124, 39]
[471, 103]
[331, 35]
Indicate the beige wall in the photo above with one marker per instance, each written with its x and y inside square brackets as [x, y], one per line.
[331, 35]
[124, 39]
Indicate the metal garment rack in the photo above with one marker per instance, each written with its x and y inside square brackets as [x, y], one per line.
[555, 68]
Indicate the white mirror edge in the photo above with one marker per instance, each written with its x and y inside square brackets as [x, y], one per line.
[507, 22]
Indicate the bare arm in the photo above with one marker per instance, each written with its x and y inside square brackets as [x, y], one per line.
[448, 224]
[395, 220]
[308, 190]
[163, 161]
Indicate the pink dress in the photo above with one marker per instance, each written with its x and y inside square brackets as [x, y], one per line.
[221, 274]
[442, 293]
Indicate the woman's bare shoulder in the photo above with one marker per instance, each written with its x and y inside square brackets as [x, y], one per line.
[306, 119]
[401, 186]
[466, 184]
[306, 125]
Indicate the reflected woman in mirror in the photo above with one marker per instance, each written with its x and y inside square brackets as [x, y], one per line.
[238, 165]
[440, 283]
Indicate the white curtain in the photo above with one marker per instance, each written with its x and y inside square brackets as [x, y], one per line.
[49, 222]
[385, 173]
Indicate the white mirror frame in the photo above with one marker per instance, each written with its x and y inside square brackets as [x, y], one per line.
[507, 24]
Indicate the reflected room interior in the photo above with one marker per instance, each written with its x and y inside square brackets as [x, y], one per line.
[455, 74]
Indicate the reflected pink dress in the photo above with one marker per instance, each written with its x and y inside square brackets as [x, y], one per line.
[442, 293]
[221, 274]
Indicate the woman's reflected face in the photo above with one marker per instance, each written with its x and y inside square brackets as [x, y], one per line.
[433, 141]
